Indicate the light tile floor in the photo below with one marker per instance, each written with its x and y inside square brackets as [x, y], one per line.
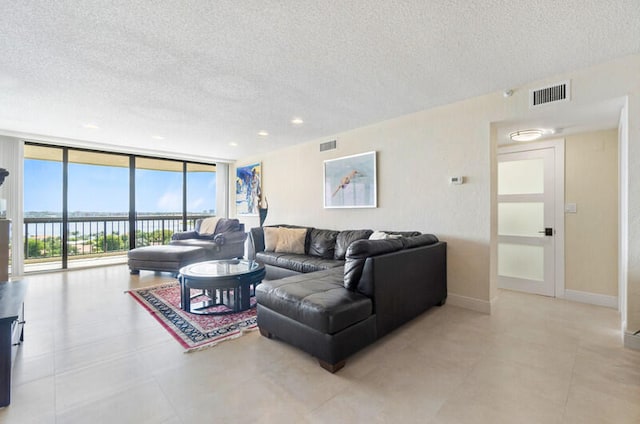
[93, 355]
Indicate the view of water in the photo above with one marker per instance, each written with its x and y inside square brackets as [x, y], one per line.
[92, 229]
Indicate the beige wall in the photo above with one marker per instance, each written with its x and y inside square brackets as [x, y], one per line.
[591, 234]
[417, 154]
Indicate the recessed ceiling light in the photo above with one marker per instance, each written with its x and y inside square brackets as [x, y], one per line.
[233, 144]
[91, 126]
[526, 135]
[157, 137]
[297, 121]
[263, 133]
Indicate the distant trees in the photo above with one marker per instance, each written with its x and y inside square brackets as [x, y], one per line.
[52, 246]
[43, 248]
[35, 248]
[152, 238]
[111, 243]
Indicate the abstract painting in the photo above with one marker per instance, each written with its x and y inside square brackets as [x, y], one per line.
[350, 181]
[248, 189]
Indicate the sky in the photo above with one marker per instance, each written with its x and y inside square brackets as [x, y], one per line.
[106, 189]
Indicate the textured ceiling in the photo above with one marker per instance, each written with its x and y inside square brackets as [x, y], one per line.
[205, 74]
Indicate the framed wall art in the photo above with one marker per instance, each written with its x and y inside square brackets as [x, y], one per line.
[350, 181]
[248, 189]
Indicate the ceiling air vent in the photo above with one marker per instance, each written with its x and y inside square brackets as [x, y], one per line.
[329, 145]
[556, 93]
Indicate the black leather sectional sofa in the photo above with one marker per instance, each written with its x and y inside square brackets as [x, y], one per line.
[346, 291]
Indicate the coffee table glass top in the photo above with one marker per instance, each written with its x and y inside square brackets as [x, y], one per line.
[220, 268]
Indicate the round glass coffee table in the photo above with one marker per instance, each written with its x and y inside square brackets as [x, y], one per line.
[230, 283]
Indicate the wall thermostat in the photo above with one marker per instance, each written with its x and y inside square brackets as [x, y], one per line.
[456, 180]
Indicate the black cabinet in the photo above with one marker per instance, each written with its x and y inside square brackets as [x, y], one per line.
[11, 332]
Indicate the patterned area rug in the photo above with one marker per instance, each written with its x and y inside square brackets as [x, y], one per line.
[193, 332]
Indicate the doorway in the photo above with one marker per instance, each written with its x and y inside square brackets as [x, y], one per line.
[530, 209]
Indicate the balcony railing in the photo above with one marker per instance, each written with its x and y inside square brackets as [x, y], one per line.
[97, 236]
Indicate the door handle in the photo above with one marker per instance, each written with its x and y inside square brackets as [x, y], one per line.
[548, 231]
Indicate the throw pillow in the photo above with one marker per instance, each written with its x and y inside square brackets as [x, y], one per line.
[381, 235]
[291, 240]
[208, 225]
[378, 235]
[270, 238]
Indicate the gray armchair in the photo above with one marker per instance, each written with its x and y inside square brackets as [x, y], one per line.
[187, 247]
[227, 242]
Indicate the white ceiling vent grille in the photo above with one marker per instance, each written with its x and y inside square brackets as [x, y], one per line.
[556, 93]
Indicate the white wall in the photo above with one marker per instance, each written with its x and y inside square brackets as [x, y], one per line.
[623, 210]
[633, 163]
[416, 155]
[11, 153]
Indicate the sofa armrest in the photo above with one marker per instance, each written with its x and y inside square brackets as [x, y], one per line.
[218, 239]
[405, 283]
[184, 235]
[357, 255]
[231, 237]
[256, 242]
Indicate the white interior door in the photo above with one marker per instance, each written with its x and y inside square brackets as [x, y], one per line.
[526, 221]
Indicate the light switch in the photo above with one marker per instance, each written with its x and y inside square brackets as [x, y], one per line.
[571, 208]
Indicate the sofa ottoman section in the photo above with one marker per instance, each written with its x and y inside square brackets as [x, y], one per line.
[168, 258]
[322, 316]
[319, 301]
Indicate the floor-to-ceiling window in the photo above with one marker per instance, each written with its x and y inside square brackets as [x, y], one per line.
[97, 204]
[159, 200]
[43, 204]
[81, 205]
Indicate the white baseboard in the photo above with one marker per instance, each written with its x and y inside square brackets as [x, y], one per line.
[471, 303]
[631, 341]
[592, 298]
